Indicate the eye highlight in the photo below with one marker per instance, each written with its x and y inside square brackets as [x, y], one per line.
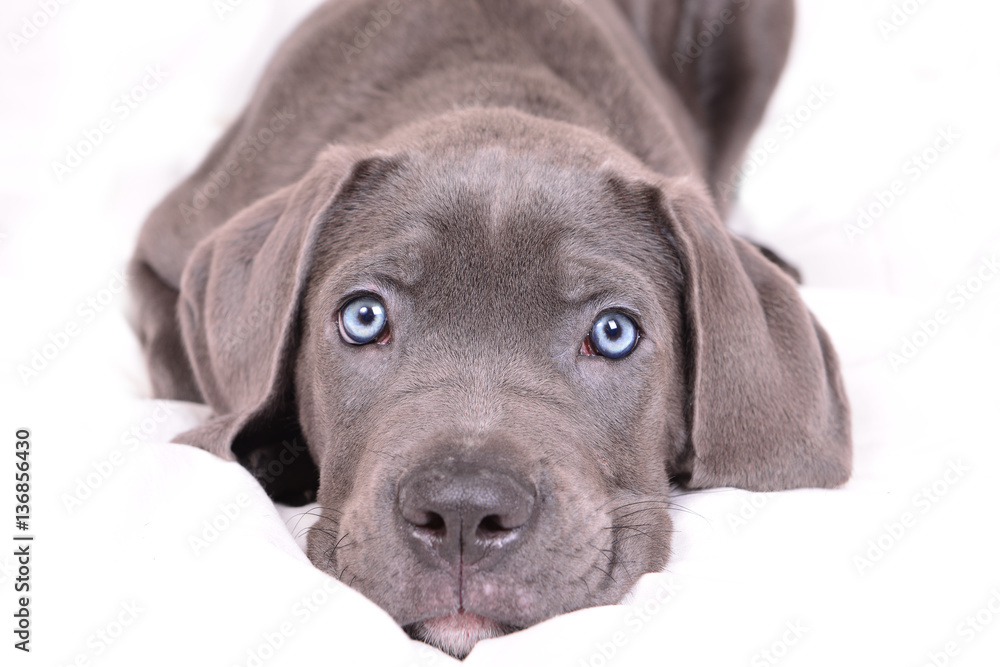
[363, 320]
[614, 335]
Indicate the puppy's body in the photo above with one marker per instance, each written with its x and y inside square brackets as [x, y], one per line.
[497, 175]
[580, 63]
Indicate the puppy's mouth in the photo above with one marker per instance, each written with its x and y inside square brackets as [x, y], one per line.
[456, 633]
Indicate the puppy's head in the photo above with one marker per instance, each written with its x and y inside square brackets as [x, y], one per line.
[500, 347]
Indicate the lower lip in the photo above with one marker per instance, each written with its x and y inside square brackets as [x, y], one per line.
[465, 623]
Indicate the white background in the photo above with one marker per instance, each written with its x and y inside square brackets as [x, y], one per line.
[840, 567]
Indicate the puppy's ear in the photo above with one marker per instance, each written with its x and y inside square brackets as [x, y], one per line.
[768, 409]
[239, 306]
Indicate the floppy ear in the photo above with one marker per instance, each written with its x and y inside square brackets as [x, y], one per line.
[768, 409]
[239, 311]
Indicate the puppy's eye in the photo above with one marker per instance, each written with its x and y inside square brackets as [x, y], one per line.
[363, 320]
[613, 335]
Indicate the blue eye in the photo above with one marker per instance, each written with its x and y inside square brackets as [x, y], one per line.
[362, 320]
[614, 335]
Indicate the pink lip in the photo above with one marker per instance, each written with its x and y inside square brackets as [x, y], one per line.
[456, 633]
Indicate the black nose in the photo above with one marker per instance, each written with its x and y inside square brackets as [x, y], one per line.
[465, 511]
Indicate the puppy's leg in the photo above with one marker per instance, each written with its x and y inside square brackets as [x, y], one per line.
[724, 57]
[154, 319]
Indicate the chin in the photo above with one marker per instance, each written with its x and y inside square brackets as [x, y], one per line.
[458, 632]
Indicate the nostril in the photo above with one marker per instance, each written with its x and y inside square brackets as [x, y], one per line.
[491, 528]
[431, 524]
[499, 530]
[461, 512]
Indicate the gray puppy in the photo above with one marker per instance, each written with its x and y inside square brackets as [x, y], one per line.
[458, 273]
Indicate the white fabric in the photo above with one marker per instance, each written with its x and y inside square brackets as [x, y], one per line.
[894, 568]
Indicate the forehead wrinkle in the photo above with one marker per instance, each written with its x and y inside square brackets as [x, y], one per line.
[395, 266]
[501, 183]
[587, 280]
[491, 244]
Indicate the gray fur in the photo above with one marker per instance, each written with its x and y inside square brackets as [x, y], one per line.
[499, 173]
